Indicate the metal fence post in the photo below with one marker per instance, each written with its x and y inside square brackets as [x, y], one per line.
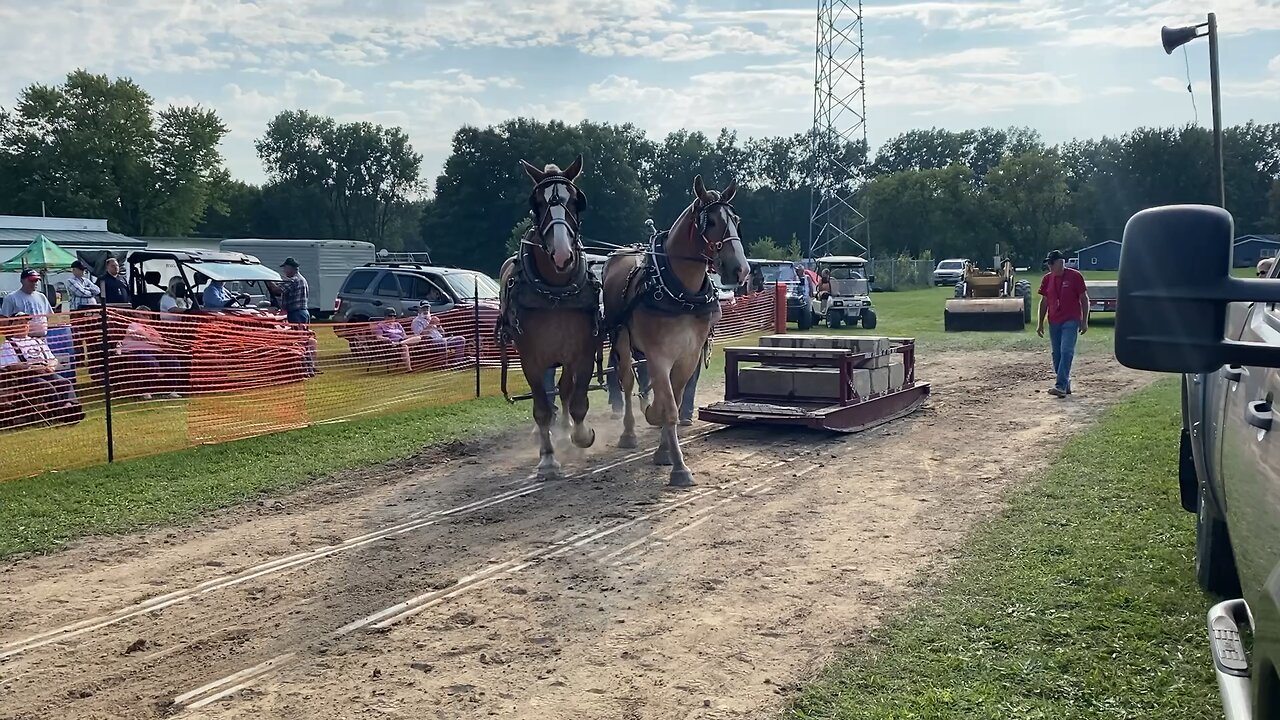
[475, 325]
[106, 379]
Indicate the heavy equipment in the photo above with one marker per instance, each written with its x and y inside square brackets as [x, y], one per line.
[989, 300]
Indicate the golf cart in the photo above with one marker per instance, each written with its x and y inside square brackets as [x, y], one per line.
[850, 299]
[150, 272]
[767, 273]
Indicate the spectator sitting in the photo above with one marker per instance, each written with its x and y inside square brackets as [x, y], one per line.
[21, 351]
[176, 300]
[390, 331]
[144, 347]
[217, 297]
[28, 300]
[428, 327]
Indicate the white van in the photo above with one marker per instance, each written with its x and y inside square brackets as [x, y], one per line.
[324, 263]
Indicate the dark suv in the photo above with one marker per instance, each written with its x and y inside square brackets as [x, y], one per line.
[370, 289]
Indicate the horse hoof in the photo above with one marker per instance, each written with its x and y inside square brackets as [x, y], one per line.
[681, 478]
[591, 440]
[549, 470]
[628, 442]
[662, 456]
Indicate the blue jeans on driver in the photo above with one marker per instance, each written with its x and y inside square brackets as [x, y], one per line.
[615, 385]
[1062, 339]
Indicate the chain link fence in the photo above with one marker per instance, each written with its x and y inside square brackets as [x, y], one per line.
[901, 273]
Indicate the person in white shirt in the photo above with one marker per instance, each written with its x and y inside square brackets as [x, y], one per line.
[176, 300]
[428, 327]
[22, 352]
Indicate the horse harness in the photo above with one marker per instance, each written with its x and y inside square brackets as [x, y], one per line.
[525, 288]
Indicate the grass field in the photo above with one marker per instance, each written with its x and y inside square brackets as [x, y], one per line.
[1078, 601]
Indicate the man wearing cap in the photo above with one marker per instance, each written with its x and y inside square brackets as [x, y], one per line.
[295, 295]
[1066, 303]
[84, 293]
[29, 301]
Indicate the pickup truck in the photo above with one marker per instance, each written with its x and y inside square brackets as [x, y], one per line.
[1102, 295]
[1184, 313]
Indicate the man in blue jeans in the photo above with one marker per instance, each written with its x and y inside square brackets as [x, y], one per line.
[1066, 304]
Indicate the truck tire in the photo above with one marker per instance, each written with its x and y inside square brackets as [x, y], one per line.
[869, 319]
[833, 319]
[1215, 564]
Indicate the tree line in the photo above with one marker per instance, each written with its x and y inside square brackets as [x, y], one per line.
[93, 146]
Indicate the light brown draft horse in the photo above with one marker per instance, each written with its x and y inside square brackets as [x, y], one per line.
[662, 303]
[551, 307]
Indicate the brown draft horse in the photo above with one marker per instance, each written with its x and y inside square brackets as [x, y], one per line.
[663, 303]
[551, 306]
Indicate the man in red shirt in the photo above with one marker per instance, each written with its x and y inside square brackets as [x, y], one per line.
[1066, 303]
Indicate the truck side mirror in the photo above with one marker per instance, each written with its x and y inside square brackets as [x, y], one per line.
[1174, 287]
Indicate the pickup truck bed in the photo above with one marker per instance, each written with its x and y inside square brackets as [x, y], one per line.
[1102, 295]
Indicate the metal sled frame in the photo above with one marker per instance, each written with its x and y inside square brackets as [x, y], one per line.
[850, 413]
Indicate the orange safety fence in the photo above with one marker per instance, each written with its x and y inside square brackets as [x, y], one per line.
[113, 383]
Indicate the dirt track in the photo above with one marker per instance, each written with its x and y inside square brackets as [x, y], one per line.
[453, 586]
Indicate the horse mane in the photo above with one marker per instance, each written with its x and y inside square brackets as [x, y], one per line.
[552, 169]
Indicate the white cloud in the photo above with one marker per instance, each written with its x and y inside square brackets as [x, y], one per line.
[332, 90]
[457, 82]
[993, 56]
[743, 100]
[973, 93]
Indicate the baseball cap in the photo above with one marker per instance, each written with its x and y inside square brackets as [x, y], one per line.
[78, 265]
[30, 273]
[1055, 255]
[289, 262]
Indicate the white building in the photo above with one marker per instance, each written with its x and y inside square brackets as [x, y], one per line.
[71, 234]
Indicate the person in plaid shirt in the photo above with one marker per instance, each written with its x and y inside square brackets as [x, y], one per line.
[295, 295]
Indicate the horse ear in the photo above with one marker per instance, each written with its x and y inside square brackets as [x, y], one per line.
[534, 173]
[574, 170]
[699, 189]
[727, 195]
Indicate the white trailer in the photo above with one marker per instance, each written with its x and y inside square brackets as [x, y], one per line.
[324, 263]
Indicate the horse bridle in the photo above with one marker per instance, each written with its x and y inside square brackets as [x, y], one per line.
[710, 249]
[544, 222]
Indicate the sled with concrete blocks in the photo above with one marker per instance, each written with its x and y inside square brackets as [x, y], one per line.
[840, 383]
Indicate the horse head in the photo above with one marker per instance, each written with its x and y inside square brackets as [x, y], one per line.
[556, 204]
[716, 223]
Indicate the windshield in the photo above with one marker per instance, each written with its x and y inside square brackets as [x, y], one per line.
[464, 285]
[233, 271]
[846, 272]
[778, 273]
[950, 265]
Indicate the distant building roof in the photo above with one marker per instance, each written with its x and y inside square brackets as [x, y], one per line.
[1257, 238]
[1100, 244]
[67, 232]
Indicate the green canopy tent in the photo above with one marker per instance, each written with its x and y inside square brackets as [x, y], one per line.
[41, 254]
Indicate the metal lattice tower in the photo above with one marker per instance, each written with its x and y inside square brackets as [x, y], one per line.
[839, 119]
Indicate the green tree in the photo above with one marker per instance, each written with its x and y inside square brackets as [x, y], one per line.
[483, 192]
[1030, 202]
[92, 147]
[938, 210]
[366, 175]
[766, 248]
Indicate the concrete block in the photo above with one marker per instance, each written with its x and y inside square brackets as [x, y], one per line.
[777, 341]
[861, 381]
[897, 372]
[817, 382]
[765, 381]
[879, 380]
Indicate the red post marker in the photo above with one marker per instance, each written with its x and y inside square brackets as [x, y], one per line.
[780, 308]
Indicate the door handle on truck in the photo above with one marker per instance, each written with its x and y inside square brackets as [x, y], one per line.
[1258, 414]
[1233, 373]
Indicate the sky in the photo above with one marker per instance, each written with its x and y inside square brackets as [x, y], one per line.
[1068, 68]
